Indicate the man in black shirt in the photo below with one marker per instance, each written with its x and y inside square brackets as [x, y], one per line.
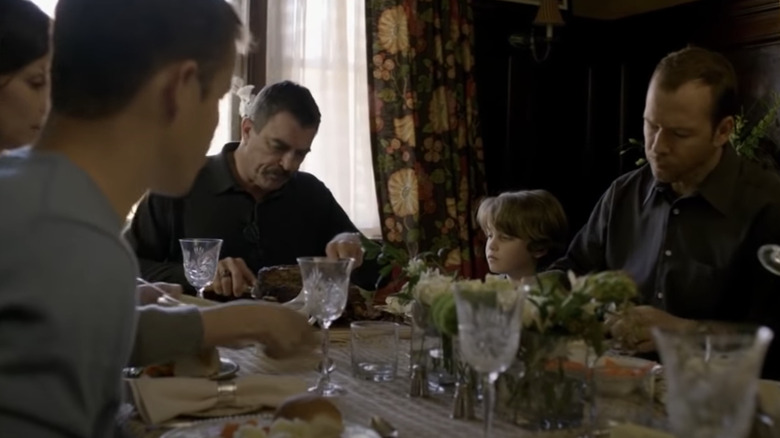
[253, 197]
[687, 227]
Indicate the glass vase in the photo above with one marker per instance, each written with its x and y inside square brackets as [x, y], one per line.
[549, 385]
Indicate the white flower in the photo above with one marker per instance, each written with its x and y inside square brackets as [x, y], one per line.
[498, 283]
[395, 307]
[532, 318]
[576, 282]
[430, 286]
[415, 267]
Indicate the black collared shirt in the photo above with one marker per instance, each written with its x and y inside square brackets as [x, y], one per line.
[297, 220]
[692, 256]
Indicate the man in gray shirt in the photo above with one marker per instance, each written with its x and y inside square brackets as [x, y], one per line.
[131, 111]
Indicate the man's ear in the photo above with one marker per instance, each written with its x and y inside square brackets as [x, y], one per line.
[247, 128]
[180, 87]
[539, 254]
[723, 131]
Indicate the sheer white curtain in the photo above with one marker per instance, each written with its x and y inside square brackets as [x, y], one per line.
[321, 44]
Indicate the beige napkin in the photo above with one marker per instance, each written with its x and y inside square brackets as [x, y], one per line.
[159, 400]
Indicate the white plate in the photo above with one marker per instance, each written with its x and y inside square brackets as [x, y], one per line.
[227, 370]
[212, 428]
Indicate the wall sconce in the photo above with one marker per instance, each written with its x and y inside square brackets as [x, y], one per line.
[548, 16]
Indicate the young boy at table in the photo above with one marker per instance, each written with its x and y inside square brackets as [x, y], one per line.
[526, 231]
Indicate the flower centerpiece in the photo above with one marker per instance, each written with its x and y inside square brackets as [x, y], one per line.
[548, 387]
[563, 334]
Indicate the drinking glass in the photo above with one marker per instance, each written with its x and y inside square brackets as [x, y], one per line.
[769, 256]
[489, 324]
[200, 258]
[712, 378]
[326, 286]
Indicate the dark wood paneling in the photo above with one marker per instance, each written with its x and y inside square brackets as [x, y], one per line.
[256, 61]
[752, 22]
[559, 124]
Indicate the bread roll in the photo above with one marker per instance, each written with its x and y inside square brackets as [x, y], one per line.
[308, 407]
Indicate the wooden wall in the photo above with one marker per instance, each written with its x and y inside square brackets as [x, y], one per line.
[559, 124]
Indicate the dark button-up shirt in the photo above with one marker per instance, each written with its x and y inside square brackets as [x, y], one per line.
[692, 256]
[295, 221]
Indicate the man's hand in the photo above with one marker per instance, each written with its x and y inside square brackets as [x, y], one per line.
[233, 278]
[633, 327]
[149, 294]
[282, 331]
[346, 245]
[286, 332]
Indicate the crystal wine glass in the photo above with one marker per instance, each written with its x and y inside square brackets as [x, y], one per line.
[489, 324]
[712, 378]
[769, 256]
[200, 258]
[326, 286]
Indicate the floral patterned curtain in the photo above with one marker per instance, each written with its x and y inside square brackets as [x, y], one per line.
[427, 149]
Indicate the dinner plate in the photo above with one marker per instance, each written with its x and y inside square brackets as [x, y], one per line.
[227, 370]
[213, 428]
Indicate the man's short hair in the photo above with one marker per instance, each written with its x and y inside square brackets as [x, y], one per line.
[285, 96]
[708, 67]
[106, 50]
[535, 216]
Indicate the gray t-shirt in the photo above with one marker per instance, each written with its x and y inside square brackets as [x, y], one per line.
[68, 303]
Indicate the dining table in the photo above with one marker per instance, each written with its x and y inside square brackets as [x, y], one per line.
[412, 416]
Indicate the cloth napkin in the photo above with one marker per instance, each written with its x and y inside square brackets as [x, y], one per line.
[161, 399]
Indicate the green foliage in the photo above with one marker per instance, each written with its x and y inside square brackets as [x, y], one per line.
[580, 306]
[392, 258]
[746, 139]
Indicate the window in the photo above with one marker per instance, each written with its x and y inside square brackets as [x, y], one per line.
[46, 6]
[321, 44]
[224, 132]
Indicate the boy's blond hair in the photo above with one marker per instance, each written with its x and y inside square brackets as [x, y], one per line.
[535, 216]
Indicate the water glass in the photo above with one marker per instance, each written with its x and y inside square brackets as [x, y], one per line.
[712, 378]
[624, 388]
[374, 347]
[200, 258]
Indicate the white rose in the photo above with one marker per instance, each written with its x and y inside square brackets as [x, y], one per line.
[430, 286]
[395, 307]
[415, 267]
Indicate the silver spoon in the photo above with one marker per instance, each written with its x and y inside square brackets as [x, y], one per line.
[383, 427]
